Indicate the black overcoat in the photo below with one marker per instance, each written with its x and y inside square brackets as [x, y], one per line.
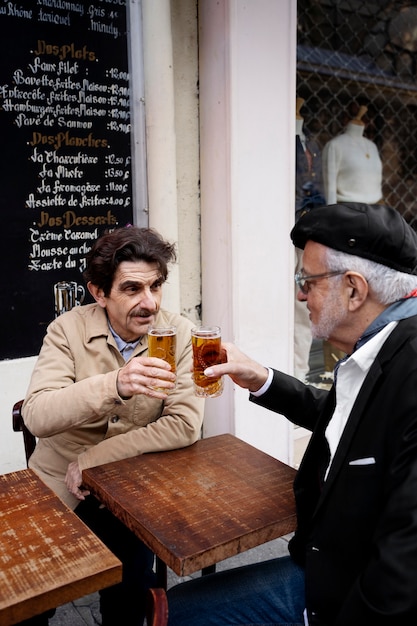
[357, 532]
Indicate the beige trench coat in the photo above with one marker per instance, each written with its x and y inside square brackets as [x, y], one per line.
[72, 403]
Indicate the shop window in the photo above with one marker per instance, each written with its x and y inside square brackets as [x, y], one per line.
[354, 54]
[357, 65]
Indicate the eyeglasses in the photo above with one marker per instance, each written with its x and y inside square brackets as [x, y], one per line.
[302, 281]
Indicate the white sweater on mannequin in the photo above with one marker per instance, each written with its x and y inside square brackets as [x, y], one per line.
[352, 168]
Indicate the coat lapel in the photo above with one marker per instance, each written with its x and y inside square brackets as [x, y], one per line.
[395, 341]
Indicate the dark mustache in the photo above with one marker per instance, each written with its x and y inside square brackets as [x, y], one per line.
[142, 313]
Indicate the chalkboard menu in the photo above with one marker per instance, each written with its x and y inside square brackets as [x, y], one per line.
[65, 169]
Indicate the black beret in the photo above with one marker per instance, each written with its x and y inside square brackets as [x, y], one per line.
[372, 231]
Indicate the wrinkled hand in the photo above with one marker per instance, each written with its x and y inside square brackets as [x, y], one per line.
[142, 374]
[242, 370]
[73, 481]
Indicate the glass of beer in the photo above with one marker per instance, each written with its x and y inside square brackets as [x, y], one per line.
[162, 343]
[206, 342]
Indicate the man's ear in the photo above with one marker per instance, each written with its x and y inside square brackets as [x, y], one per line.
[97, 293]
[358, 289]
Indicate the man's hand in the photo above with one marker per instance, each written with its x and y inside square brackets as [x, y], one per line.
[242, 370]
[73, 481]
[141, 374]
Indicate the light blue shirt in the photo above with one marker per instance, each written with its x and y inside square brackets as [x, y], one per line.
[126, 348]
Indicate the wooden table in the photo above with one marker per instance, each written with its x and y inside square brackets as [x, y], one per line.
[47, 555]
[199, 505]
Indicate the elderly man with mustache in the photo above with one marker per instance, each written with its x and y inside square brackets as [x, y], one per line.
[92, 398]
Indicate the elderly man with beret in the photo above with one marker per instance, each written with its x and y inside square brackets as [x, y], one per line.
[353, 557]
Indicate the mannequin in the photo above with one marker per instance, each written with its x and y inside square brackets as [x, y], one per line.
[308, 193]
[352, 168]
[309, 179]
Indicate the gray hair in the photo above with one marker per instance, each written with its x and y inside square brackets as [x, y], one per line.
[386, 284]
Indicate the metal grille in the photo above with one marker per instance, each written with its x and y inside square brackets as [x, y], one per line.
[353, 54]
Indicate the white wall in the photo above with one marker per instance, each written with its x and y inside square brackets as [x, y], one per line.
[186, 91]
[172, 139]
[14, 379]
[247, 104]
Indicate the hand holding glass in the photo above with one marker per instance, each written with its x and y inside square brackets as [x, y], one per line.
[162, 343]
[206, 342]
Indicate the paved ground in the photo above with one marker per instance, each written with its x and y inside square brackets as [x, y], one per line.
[85, 611]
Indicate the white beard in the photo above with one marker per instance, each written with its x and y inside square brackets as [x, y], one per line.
[332, 314]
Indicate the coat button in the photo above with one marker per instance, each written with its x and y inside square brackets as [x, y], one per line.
[114, 419]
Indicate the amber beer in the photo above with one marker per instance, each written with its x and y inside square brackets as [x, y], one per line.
[206, 341]
[162, 343]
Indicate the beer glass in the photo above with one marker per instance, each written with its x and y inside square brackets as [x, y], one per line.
[67, 295]
[162, 343]
[206, 341]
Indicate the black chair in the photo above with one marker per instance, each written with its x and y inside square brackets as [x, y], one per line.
[20, 426]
